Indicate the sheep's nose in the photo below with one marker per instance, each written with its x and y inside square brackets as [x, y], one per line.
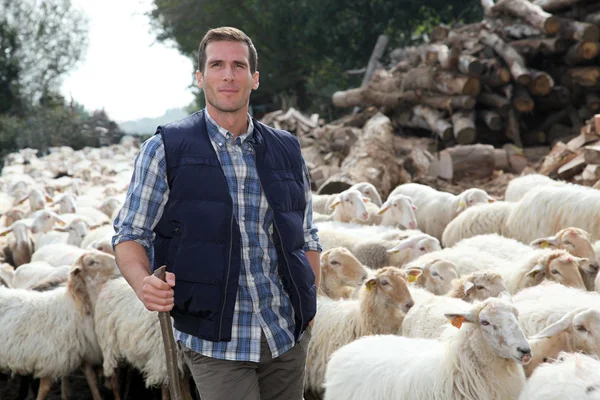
[412, 225]
[409, 305]
[365, 215]
[595, 267]
[364, 277]
[525, 354]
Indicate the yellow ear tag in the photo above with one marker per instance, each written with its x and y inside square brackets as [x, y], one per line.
[457, 322]
[412, 278]
[462, 204]
[369, 285]
[544, 245]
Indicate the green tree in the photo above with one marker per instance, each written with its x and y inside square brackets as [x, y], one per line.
[304, 46]
[9, 70]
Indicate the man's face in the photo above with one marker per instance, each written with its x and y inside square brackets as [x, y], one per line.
[227, 80]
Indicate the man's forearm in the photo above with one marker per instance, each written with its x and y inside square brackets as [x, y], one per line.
[133, 263]
[314, 258]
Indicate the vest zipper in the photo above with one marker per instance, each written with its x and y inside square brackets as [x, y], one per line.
[228, 268]
[280, 241]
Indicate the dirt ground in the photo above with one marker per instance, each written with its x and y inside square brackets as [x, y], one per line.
[495, 185]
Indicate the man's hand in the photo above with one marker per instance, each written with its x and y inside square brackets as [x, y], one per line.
[156, 294]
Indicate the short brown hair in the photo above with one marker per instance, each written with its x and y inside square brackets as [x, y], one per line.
[229, 34]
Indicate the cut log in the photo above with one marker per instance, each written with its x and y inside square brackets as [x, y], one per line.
[591, 172]
[467, 161]
[372, 160]
[582, 76]
[493, 100]
[469, 65]
[516, 158]
[541, 83]
[593, 18]
[426, 78]
[522, 101]
[363, 96]
[559, 156]
[374, 60]
[513, 131]
[437, 124]
[581, 52]
[597, 124]
[448, 58]
[576, 124]
[554, 5]
[572, 168]
[491, 119]
[544, 46]
[439, 33]
[592, 154]
[512, 58]
[463, 123]
[559, 97]
[531, 13]
[408, 119]
[581, 31]
[494, 73]
[592, 102]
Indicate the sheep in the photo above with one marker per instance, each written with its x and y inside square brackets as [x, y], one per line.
[478, 220]
[66, 204]
[340, 271]
[382, 302]
[426, 319]
[480, 360]
[110, 205]
[349, 205]
[398, 210]
[60, 335]
[556, 265]
[104, 245]
[37, 200]
[546, 210]
[436, 209]
[574, 240]
[572, 377]
[11, 216]
[98, 233]
[437, 277]
[73, 233]
[574, 332]
[322, 202]
[21, 245]
[519, 186]
[377, 253]
[58, 254]
[7, 272]
[30, 274]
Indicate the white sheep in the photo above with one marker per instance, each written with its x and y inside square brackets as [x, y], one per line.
[7, 272]
[20, 244]
[30, 274]
[397, 211]
[519, 186]
[572, 377]
[478, 220]
[98, 233]
[548, 209]
[479, 361]
[37, 200]
[382, 302]
[58, 254]
[437, 277]
[349, 205]
[377, 253]
[73, 233]
[341, 272]
[60, 334]
[436, 209]
[322, 202]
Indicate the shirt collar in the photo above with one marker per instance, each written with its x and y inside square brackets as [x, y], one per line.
[226, 133]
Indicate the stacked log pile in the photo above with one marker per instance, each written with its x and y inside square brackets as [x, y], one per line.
[579, 159]
[527, 74]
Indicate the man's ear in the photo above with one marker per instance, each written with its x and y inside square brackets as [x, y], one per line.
[256, 80]
[199, 79]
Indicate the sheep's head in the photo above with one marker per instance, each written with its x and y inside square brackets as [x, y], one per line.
[66, 204]
[351, 204]
[368, 190]
[401, 209]
[437, 276]
[103, 245]
[341, 263]
[481, 285]
[78, 229]
[581, 328]
[109, 205]
[13, 215]
[94, 264]
[574, 240]
[390, 285]
[20, 231]
[558, 266]
[43, 221]
[471, 197]
[416, 245]
[497, 321]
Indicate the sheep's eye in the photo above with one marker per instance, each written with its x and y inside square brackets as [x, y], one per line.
[545, 359]
[479, 287]
[384, 282]
[395, 205]
[435, 274]
[555, 271]
[581, 328]
[484, 323]
[367, 192]
[334, 263]
[422, 248]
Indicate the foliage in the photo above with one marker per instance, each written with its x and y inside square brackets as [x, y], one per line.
[304, 46]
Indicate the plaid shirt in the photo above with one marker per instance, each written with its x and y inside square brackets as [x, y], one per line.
[261, 303]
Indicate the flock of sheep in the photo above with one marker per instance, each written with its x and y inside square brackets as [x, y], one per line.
[424, 295]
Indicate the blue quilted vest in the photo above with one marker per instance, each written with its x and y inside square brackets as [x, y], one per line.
[198, 237]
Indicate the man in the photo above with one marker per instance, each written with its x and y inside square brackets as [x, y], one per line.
[224, 201]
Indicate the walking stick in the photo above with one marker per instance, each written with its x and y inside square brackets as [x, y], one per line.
[169, 341]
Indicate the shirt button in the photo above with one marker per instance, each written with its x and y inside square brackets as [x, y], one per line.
[243, 187]
[243, 218]
[220, 144]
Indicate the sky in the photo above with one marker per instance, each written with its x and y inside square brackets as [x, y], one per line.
[125, 70]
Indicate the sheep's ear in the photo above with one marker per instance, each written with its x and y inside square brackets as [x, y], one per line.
[457, 319]
[413, 274]
[384, 207]
[415, 208]
[63, 229]
[370, 284]
[23, 200]
[559, 326]
[325, 258]
[48, 198]
[537, 271]
[408, 242]
[336, 201]
[544, 243]
[6, 231]
[504, 295]
[366, 199]
[60, 221]
[467, 287]
[491, 199]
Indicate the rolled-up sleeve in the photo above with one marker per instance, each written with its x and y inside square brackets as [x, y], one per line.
[311, 238]
[146, 197]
